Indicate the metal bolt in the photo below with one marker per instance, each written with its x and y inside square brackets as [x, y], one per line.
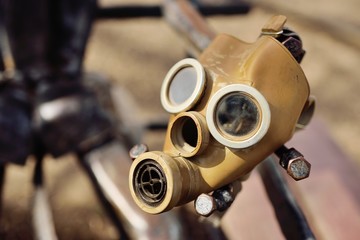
[299, 168]
[221, 200]
[294, 163]
[295, 48]
[137, 150]
[205, 205]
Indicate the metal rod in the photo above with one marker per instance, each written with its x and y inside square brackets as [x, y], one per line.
[185, 19]
[43, 222]
[2, 65]
[2, 182]
[291, 219]
[8, 62]
[98, 184]
[129, 11]
[153, 126]
[230, 9]
[135, 11]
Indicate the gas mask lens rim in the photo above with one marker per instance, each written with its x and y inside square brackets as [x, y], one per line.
[256, 118]
[173, 84]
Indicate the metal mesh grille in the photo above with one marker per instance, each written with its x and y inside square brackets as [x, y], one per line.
[150, 182]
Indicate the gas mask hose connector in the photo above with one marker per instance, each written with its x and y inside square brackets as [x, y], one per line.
[189, 134]
[154, 181]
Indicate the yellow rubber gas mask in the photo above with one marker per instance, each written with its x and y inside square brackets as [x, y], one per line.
[230, 109]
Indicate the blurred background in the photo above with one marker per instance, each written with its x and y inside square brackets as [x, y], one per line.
[137, 53]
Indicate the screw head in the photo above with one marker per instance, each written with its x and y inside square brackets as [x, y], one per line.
[137, 150]
[299, 168]
[205, 205]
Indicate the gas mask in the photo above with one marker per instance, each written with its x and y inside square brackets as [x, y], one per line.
[230, 109]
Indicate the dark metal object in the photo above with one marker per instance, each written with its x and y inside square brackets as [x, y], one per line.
[2, 64]
[295, 47]
[38, 177]
[291, 219]
[42, 219]
[2, 181]
[68, 115]
[285, 155]
[70, 24]
[292, 41]
[156, 126]
[69, 119]
[221, 7]
[294, 163]
[135, 11]
[15, 106]
[129, 11]
[223, 198]
[48, 39]
[15, 124]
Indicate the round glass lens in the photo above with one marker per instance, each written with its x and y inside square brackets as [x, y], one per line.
[182, 85]
[237, 114]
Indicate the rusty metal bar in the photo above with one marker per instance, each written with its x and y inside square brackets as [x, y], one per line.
[290, 217]
[189, 23]
[103, 198]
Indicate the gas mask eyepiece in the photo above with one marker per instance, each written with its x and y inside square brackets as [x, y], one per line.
[183, 86]
[238, 116]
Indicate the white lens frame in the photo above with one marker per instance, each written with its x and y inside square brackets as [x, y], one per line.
[199, 88]
[263, 108]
